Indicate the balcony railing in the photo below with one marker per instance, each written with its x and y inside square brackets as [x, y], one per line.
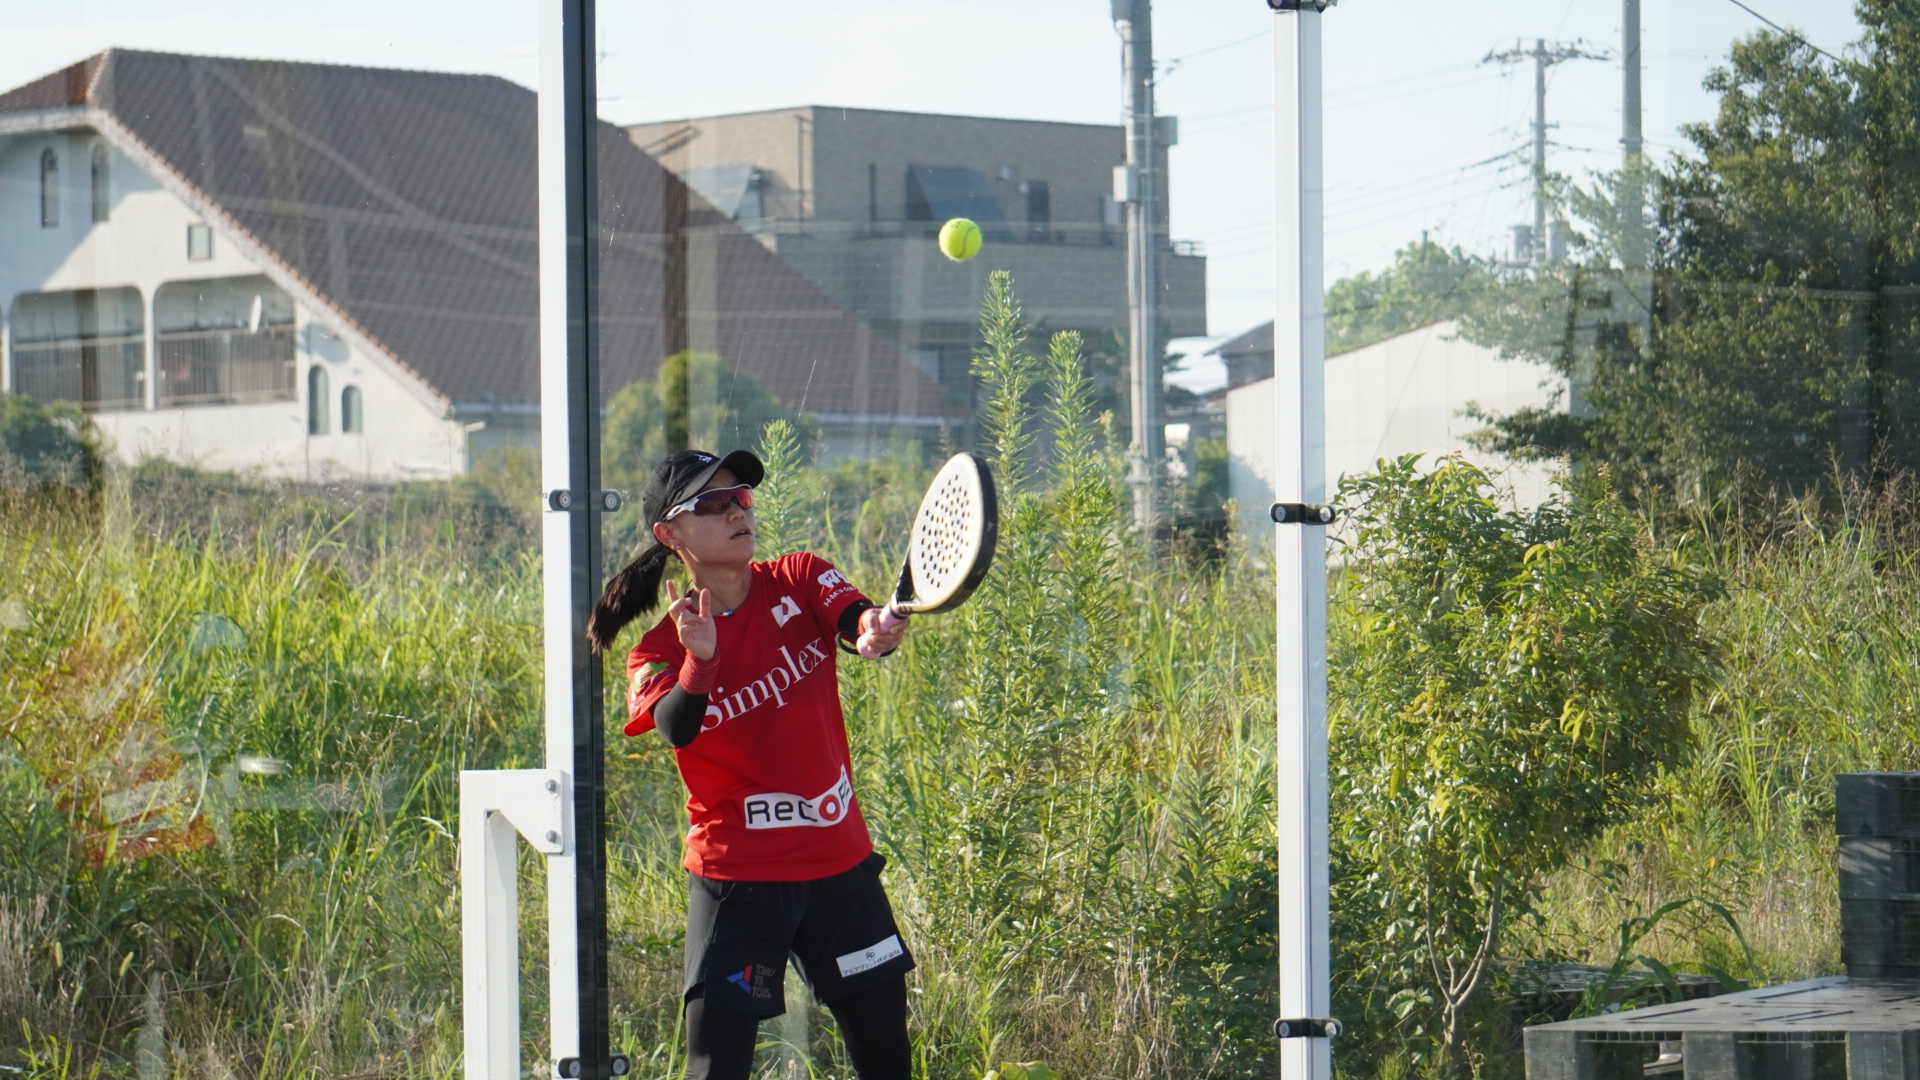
[101, 374]
[220, 367]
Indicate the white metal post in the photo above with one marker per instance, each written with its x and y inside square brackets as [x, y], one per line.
[490, 897]
[1299, 343]
[556, 536]
[493, 807]
[570, 532]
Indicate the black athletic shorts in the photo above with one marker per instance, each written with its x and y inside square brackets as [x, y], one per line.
[839, 931]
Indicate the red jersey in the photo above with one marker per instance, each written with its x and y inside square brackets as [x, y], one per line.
[769, 778]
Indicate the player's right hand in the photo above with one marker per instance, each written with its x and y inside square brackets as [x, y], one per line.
[693, 619]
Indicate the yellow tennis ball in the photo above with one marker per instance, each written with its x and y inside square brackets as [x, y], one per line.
[960, 239]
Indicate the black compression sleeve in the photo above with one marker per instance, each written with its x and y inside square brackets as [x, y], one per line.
[678, 716]
[850, 620]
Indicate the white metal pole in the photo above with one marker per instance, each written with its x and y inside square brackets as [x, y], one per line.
[570, 532]
[1299, 343]
[556, 533]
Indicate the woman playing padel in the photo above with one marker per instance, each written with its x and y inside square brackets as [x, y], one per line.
[740, 677]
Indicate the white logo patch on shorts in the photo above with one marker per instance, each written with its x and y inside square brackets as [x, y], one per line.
[779, 810]
[870, 957]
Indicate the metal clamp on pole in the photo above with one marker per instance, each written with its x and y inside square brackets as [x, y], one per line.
[1299, 5]
[1302, 514]
[1325, 1027]
[560, 500]
[574, 1069]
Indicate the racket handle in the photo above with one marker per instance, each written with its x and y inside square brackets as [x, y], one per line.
[889, 619]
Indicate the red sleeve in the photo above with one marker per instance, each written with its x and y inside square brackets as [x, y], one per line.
[652, 668]
[826, 589]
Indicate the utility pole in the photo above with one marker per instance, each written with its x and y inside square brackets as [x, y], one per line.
[1636, 254]
[1134, 184]
[1543, 57]
[1630, 140]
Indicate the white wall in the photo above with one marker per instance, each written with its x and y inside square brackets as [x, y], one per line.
[1398, 396]
[144, 244]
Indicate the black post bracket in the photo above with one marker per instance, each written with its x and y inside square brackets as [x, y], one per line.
[1302, 514]
[572, 1068]
[1301, 5]
[1321, 1027]
[560, 501]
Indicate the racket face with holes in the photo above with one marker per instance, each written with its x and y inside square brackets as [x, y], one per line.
[953, 538]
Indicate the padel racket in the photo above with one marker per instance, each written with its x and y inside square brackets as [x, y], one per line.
[951, 546]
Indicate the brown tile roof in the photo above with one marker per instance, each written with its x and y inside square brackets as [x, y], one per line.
[407, 201]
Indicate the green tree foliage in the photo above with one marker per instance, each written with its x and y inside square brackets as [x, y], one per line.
[1426, 284]
[695, 400]
[1761, 331]
[1507, 684]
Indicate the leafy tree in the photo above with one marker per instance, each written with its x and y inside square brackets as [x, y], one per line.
[694, 400]
[1507, 684]
[1761, 333]
[1426, 284]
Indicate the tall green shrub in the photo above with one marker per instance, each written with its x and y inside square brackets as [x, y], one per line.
[1507, 684]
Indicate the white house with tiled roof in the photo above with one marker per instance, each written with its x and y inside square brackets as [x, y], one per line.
[313, 270]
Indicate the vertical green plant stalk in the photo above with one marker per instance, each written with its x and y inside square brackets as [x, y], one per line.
[1006, 373]
[1085, 510]
[778, 528]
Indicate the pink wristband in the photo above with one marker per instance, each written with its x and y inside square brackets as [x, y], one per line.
[697, 676]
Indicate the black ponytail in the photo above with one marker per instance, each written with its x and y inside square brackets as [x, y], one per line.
[632, 592]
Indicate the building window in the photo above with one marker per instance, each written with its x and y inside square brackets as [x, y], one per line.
[86, 346]
[224, 341]
[1039, 205]
[102, 189]
[199, 242]
[49, 188]
[317, 394]
[351, 421]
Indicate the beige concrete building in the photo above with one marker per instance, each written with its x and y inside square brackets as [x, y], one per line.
[852, 198]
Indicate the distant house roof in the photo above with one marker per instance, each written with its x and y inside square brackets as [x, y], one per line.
[404, 203]
[1255, 341]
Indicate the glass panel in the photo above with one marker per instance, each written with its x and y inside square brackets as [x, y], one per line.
[1610, 313]
[246, 649]
[870, 257]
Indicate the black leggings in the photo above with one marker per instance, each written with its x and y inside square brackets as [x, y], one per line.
[873, 1025]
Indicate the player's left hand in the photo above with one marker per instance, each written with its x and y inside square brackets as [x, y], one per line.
[874, 638]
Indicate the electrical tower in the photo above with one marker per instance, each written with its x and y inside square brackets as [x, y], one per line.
[1543, 56]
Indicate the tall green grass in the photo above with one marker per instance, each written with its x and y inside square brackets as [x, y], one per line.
[1071, 777]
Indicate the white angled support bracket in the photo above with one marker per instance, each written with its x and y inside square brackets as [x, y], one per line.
[536, 804]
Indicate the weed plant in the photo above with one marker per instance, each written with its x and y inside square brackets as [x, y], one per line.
[235, 712]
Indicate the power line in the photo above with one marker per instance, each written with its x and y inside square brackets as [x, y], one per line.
[1167, 66]
[1785, 31]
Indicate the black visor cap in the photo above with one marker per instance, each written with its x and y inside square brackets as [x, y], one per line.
[683, 474]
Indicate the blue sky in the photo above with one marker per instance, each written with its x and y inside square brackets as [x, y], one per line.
[1420, 133]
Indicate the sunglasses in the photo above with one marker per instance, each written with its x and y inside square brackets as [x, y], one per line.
[715, 501]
